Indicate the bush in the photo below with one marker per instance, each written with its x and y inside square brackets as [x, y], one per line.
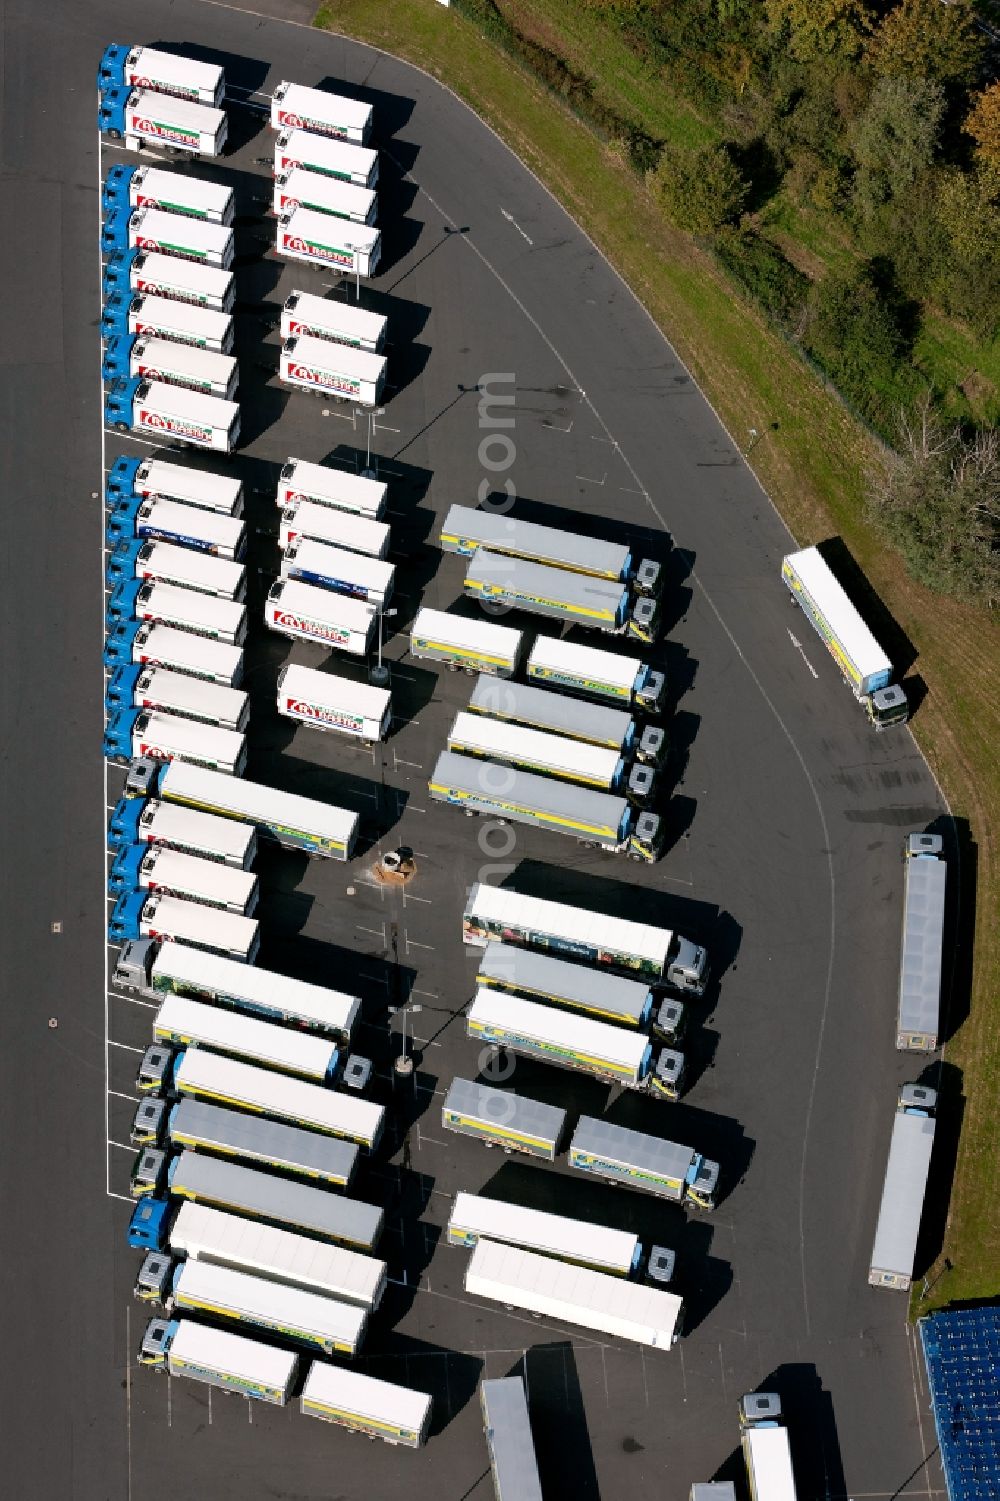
[699, 190]
[859, 331]
[759, 267]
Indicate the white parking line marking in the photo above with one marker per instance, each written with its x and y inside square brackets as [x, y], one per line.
[125, 1049]
[132, 1098]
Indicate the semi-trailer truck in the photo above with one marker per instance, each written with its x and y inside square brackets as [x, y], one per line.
[169, 234]
[369, 580]
[153, 317]
[151, 868]
[142, 914]
[142, 118]
[558, 714]
[296, 822]
[335, 528]
[340, 322]
[504, 1406]
[329, 369]
[330, 155]
[766, 1452]
[596, 674]
[134, 518]
[141, 642]
[597, 820]
[903, 1191]
[581, 1241]
[176, 693]
[627, 1003]
[200, 1233]
[329, 243]
[465, 530]
[134, 733]
[496, 579]
[134, 356]
[158, 970]
[184, 609]
[285, 1313]
[359, 494]
[665, 1168]
[325, 702]
[124, 66]
[498, 913]
[296, 107]
[610, 1053]
[152, 408]
[925, 881]
[135, 820]
[472, 645]
[303, 612]
[362, 1404]
[181, 567]
[502, 1119]
[551, 755]
[299, 188]
[174, 192]
[863, 664]
[181, 1022]
[149, 273]
[154, 479]
[571, 1294]
[183, 1347]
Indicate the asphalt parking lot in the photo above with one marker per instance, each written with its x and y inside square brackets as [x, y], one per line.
[785, 828]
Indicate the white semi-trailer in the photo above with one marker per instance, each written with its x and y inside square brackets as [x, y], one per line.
[342, 322]
[925, 881]
[327, 154]
[321, 485]
[325, 702]
[559, 756]
[370, 580]
[766, 1452]
[137, 821]
[558, 714]
[513, 1465]
[903, 1191]
[335, 527]
[472, 645]
[364, 1405]
[596, 674]
[286, 1313]
[299, 188]
[156, 479]
[184, 1347]
[473, 1217]
[304, 612]
[296, 107]
[177, 693]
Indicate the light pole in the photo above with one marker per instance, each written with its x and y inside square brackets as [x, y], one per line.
[403, 1063]
[356, 252]
[380, 673]
[371, 414]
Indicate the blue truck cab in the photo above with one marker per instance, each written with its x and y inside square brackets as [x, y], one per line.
[118, 271]
[114, 231]
[117, 357]
[114, 317]
[111, 68]
[124, 922]
[119, 642]
[123, 825]
[115, 192]
[125, 870]
[111, 111]
[150, 1222]
[120, 690]
[122, 560]
[121, 601]
[120, 483]
[119, 401]
[118, 737]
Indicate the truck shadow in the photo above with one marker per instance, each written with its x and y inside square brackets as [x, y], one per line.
[559, 1422]
[947, 1080]
[962, 855]
[812, 1429]
[883, 624]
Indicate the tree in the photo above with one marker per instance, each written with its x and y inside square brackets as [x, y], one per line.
[821, 28]
[968, 211]
[855, 330]
[895, 139]
[927, 39]
[983, 124]
[937, 500]
[699, 190]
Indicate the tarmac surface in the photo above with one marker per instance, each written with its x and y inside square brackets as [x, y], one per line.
[785, 832]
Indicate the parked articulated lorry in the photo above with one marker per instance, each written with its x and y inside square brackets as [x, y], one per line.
[329, 369]
[124, 66]
[135, 519]
[665, 1168]
[152, 317]
[580, 599]
[660, 954]
[174, 192]
[320, 484]
[134, 733]
[598, 820]
[327, 154]
[472, 645]
[136, 357]
[558, 714]
[596, 674]
[764, 1440]
[298, 188]
[184, 1023]
[504, 1406]
[185, 609]
[905, 1185]
[925, 881]
[144, 914]
[146, 867]
[370, 580]
[863, 664]
[336, 528]
[304, 612]
[145, 643]
[296, 107]
[155, 479]
[182, 567]
[466, 530]
[135, 820]
[183, 1347]
[154, 409]
[558, 756]
[176, 693]
[341, 322]
[501, 1119]
[577, 1042]
[169, 234]
[325, 702]
[330, 243]
[141, 119]
[361, 1404]
[149, 273]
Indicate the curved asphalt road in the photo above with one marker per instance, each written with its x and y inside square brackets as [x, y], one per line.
[786, 858]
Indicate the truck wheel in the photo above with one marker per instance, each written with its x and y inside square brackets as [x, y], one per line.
[114, 135]
[121, 427]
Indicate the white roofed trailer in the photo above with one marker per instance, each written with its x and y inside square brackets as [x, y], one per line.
[188, 610]
[206, 1127]
[574, 1295]
[502, 1119]
[326, 702]
[382, 1410]
[300, 188]
[159, 480]
[196, 833]
[176, 234]
[332, 1327]
[180, 193]
[329, 369]
[192, 1024]
[192, 698]
[335, 528]
[369, 580]
[465, 530]
[132, 735]
[167, 521]
[295, 822]
[183, 651]
[472, 645]
[280, 1255]
[304, 612]
[327, 154]
[178, 124]
[175, 412]
[152, 317]
[164, 73]
[596, 673]
[184, 365]
[925, 882]
[203, 1075]
[766, 1452]
[153, 274]
[321, 485]
[650, 1163]
[537, 750]
[172, 918]
[557, 714]
[519, 971]
[473, 1217]
[184, 1347]
[330, 318]
[330, 243]
[296, 107]
[508, 1438]
[189, 568]
[209, 882]
[903, 1191]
